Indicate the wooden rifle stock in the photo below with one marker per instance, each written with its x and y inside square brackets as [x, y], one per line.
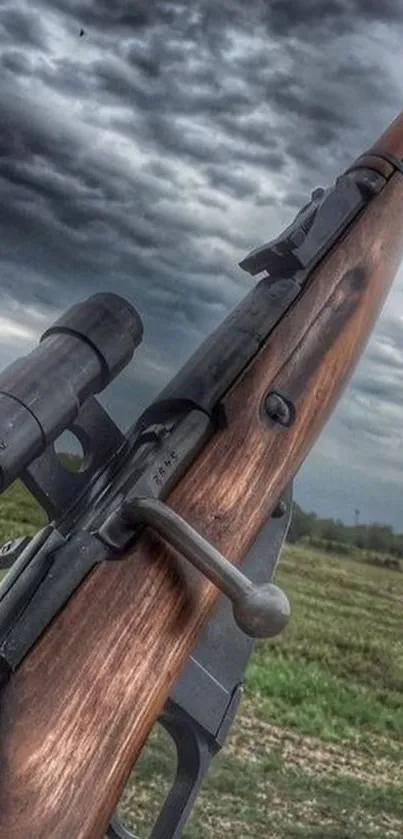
[77, 712]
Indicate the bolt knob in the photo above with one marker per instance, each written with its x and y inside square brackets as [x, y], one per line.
[263, 611]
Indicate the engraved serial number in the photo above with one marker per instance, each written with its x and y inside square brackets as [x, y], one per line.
[165, 467]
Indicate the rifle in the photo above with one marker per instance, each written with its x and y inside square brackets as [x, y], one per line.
[142, 597]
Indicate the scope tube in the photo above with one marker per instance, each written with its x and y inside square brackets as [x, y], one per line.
[41, 393]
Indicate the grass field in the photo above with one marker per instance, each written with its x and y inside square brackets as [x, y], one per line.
[316, 749]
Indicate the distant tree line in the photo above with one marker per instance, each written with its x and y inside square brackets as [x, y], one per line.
[380, 538]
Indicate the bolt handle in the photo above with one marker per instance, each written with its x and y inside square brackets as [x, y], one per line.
[261, 611]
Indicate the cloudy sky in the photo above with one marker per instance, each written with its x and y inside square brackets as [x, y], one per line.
[150, 155]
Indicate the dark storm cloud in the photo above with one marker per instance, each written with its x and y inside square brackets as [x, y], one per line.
[334, 17]
[70, 212]
[23, 27]
[210, 19]
[157, 83]
[150, 155]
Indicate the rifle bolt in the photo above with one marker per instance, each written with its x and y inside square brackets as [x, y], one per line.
[261, 611]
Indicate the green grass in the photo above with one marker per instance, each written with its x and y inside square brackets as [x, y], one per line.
[319, 704]
[339, 665]
[20, 514]
[316, 748]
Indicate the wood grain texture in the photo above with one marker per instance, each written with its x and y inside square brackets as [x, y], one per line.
[392, 139]
[77, 712]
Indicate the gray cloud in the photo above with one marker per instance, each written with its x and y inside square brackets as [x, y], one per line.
[150, 155]
[23, 27]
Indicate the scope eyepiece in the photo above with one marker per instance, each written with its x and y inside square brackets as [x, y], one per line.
[109, 324]
[78, 356]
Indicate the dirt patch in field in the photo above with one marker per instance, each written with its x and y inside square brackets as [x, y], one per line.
[254, 737]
